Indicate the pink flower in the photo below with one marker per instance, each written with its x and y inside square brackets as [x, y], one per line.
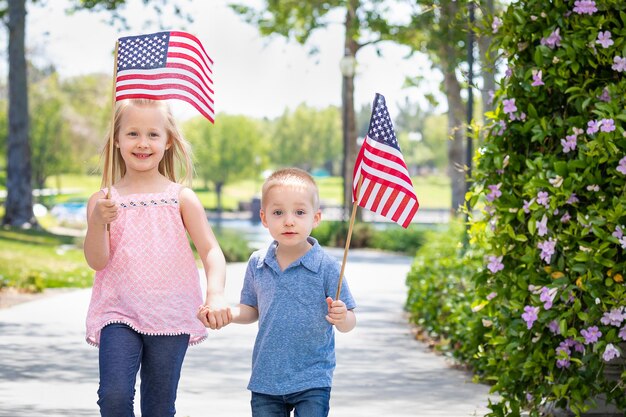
[491, 296]
[572, 199]
[542, 226]
[530, 315]
[548, 248]
[591, 334]
[607, 125]
[619, 64]
[610, 352]
[622, 333]
[543, 199]
[509, 106]
[605, 96]
[604, 39]
[618, 233]
[547, 297]
[621, 168]
[585, 6]
[527, 204]
[554, 327]
[592, 127]
[613, 317]
[566, 218]
[495, 264]
[494, 192]
[553, 40]
[569, 143]
[495, 25]
[537, 81]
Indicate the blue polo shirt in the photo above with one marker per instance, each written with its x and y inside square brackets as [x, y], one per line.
[295, 345]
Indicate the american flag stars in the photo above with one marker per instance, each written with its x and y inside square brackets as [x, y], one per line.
[143, 52]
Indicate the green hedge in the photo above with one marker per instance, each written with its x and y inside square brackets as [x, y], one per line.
[366, 235]
[551, 177]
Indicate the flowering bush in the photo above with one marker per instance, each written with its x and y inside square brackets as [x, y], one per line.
[552, 176]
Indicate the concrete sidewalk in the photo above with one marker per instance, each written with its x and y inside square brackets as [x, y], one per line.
[46, 368]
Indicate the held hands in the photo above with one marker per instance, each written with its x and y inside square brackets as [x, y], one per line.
[214, 314]
[104, 212]
[337, 311]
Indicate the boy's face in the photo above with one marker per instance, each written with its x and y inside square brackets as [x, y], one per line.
[289, 213]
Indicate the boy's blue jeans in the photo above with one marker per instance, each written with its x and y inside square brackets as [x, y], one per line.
[313, 402]
[123, 352]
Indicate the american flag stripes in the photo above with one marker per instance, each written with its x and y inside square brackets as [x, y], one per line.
[165, 65]
[386, 187]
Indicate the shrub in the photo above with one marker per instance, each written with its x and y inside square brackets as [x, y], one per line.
[235, 247]
[440, 294]
[365, 235]
[552, 175]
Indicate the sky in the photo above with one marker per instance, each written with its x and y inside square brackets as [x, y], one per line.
[253, 75]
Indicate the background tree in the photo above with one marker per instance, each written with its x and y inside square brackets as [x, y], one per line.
[297, 20]
[228, 151]
[18, 204]
[307, 138]
[19, 201]
[51, 150]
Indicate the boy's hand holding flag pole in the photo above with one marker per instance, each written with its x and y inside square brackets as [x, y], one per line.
[381, 181]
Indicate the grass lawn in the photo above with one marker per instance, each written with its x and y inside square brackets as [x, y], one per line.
[432, 191]
[33, 260]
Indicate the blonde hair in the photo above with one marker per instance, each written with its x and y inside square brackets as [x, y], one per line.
[176, 158]
[291, 177]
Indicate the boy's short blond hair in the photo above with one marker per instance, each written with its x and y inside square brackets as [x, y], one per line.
[294, 177]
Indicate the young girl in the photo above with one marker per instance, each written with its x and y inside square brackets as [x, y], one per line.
[147, 290]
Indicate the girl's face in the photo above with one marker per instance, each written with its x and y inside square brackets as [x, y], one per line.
[142, 138]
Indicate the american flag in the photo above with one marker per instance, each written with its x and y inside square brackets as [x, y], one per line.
[165, 65]
[386, 188]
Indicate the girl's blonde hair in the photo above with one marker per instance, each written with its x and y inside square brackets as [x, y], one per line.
[291, 177]
[176, 160]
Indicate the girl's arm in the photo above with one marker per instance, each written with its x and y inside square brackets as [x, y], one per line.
[100, 212]
[210, 253]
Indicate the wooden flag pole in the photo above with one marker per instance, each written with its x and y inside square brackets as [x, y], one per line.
[108, 181]
[109, 177]
[349, 237]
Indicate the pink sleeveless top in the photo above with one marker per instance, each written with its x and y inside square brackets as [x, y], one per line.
[151, 282]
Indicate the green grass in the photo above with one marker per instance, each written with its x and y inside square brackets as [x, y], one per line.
[34, 260]
[432, 191]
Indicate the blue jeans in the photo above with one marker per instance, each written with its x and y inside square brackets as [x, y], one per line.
[314, 402]
[123, 352]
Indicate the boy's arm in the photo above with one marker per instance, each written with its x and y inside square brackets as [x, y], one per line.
[343, 319]
[240, 314]
[244, 314]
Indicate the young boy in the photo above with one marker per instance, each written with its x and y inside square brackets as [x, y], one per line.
[288, 288]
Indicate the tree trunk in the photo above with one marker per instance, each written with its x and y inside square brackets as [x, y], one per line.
[487, 60]
[456, 113]
[19, 202]
[349, 118]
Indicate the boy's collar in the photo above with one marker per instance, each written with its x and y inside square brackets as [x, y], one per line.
[311, 260]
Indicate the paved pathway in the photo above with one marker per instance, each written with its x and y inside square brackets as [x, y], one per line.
[46, 368]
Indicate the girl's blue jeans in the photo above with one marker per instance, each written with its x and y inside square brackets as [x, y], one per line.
[313, 402]
[123, 352]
